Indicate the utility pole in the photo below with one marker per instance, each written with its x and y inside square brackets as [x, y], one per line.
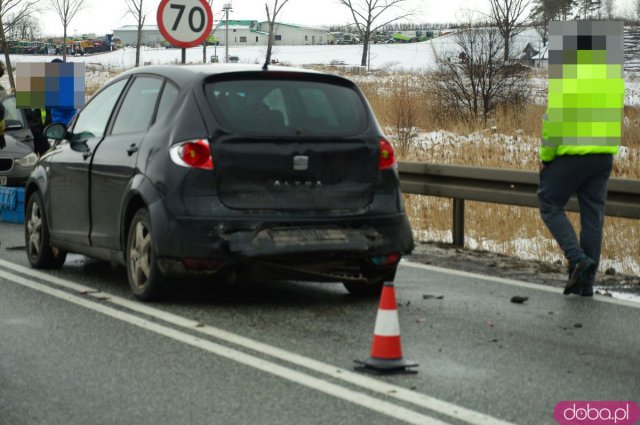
[226, 8]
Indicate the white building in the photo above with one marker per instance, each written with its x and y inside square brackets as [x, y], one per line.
[241, 33]
[252, 33]
[129, 34]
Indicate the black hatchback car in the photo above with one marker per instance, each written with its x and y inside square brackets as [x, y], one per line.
[222, 170]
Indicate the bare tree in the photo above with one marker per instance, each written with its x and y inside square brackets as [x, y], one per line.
[636, 7]
[67, 10]
[17, 10]
[136, 9]
[510, 17]
[609, 6]
[403, 112]
[371, 15]
[272, 13]
[26, 28]
[476, 78]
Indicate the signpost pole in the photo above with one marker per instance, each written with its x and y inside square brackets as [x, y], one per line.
[184, 55]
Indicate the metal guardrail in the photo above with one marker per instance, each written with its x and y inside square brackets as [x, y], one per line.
[501, 186]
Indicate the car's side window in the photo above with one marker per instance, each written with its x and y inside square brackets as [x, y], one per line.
[138, 106]
[93, 119]
[169, 96]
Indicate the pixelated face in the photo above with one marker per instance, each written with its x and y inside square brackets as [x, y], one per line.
[586, 86]
[42, 85]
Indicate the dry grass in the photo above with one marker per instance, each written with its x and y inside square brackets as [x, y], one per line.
[506, 229]
[98, 83]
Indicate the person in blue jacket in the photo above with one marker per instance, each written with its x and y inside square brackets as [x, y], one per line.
[61, 114]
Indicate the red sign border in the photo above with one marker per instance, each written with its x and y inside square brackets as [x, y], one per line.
[178, 43]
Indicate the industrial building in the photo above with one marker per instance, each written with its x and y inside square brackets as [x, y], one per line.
[251, 33]
[129, 35]
[241, 33]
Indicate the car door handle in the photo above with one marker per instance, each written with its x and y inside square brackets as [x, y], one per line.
[132, 149]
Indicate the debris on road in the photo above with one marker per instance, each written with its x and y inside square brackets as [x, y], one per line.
[432, 297]
[518, 299]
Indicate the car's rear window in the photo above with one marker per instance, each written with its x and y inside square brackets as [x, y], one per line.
[286, 107]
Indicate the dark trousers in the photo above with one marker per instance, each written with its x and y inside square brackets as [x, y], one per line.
[587, 176]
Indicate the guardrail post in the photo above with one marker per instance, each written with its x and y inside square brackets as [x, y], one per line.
[458, 222]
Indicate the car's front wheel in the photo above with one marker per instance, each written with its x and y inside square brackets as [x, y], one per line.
[40, 253]
[145, 279]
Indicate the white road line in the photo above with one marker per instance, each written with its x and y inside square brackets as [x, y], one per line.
[371, 384]
[514, 282]
[363, 400]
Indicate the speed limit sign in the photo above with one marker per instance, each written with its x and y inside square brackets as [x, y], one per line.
[185, 23]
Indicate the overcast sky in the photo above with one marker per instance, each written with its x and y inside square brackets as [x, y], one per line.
[102, 16]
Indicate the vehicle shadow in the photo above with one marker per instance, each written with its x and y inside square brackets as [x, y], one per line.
[264, 293]
[215, 291]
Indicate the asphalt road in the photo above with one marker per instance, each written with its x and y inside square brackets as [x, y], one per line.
[76, 348]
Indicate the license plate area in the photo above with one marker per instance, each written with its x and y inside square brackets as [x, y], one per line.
[289, 237]
[278, 241]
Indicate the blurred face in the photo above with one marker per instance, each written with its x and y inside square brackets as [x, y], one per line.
[586, 88]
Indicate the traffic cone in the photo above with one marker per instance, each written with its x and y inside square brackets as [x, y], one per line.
[386, 349]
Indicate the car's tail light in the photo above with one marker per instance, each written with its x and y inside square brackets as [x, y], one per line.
[192, 154]
[386, 260]
[387, 155]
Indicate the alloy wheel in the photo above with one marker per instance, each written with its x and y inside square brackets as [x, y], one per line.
[140, 255]
[34, 227]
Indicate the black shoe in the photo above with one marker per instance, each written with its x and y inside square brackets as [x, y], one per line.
[583, 267]
[584, 290]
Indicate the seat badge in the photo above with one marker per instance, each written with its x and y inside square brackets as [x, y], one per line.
[300, 162]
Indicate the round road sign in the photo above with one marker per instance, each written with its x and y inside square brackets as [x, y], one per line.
[185, 23]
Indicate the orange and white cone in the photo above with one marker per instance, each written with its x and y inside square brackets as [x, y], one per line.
[386, 349]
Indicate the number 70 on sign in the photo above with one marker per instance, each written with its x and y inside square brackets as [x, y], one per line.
[185, 23]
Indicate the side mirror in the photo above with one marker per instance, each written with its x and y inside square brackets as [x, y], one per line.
[55, 131]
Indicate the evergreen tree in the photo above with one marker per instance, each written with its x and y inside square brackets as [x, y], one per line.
[549, 10]
[543, 12]
[588, 9]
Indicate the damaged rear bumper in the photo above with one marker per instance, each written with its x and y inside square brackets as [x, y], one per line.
[315, 250]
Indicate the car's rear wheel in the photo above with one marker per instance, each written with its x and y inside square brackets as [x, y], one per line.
[145, 279]
[40, 253]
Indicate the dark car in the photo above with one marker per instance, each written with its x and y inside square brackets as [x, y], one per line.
[222, 170]
[17, 158]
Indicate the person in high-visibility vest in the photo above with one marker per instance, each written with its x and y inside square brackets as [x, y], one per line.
[581, 133]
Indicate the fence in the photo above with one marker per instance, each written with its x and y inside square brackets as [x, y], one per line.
[501, 186]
